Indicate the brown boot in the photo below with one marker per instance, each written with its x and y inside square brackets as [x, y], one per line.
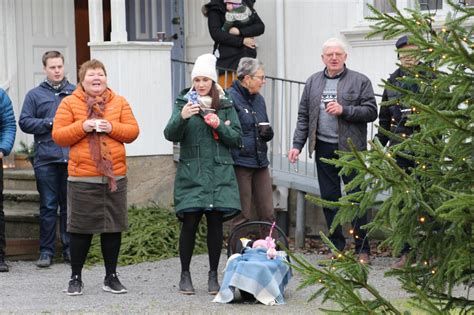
[400, 263]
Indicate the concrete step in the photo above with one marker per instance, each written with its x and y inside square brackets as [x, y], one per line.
[22, 226]
[19, 179]
[22, 249]
[22, 237]
[21, 202]
[21, 207]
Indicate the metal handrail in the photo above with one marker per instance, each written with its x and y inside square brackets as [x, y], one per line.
[282, 98]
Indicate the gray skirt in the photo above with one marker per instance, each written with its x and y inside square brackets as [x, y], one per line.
[93, 208]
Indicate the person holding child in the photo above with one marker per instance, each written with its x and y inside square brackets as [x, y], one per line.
[233, 25]
[206, 125]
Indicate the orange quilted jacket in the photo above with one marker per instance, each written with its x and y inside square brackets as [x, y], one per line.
[68, 131]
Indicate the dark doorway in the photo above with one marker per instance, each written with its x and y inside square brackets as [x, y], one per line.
[81, 15]
[146, 18]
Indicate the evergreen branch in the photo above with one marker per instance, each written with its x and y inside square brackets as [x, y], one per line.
[437, 114]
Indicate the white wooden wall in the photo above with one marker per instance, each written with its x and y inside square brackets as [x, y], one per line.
[197, 38]
[8, 56]
[141, 72]
[28, 28]
[307, 24]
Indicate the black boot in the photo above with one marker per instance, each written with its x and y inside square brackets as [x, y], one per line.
[3, 265]
[185, 284]
[212, 284]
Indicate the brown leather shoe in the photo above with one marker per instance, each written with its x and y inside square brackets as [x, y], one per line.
[400, 263]
[364, 258]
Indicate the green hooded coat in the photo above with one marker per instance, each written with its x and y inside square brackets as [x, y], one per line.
[205, 177]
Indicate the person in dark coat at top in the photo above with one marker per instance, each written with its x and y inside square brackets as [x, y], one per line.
[239, 40]
[251, 161]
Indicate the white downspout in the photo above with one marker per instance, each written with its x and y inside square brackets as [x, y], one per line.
[280, 38]
[281, 191]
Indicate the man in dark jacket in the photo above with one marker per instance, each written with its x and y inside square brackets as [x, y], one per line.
[238, 42]
[394, 117]
[337, 103]
[50, 161]
[7, 138]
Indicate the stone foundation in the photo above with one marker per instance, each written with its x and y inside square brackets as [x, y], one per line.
[151, 179]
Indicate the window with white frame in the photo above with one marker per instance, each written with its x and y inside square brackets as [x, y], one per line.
[360, 26]
[435, 6]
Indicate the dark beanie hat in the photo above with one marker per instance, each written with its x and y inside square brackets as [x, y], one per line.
[402, 41]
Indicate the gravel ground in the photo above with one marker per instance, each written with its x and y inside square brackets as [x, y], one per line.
[152, 288]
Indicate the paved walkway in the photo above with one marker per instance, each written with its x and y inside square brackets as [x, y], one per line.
[152, 289]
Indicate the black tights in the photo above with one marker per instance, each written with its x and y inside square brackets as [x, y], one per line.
[187, 238]
[109, 245]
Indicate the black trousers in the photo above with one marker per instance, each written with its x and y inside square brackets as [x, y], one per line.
[2, 214]
[330, 187]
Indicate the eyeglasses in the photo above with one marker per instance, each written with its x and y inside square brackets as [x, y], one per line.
[261, 77]
[337, 55]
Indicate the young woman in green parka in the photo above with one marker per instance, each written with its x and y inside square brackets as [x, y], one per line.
[206, 125]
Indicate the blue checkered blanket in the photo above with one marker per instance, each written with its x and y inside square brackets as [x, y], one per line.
[255, 273]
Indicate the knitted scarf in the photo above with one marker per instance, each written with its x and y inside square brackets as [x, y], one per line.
[100, 152]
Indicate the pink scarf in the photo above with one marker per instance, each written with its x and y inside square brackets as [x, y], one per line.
[100, 152]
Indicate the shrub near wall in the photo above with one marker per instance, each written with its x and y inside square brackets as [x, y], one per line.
[153, 234]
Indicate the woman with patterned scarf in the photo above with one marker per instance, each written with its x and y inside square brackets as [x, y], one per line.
[95, 122]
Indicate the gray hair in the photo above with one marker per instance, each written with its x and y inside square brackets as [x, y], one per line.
[334, 42]
[248, 66]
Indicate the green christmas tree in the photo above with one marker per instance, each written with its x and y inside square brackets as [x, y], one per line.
[431, 207]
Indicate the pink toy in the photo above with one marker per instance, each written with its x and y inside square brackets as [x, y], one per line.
[268, 243]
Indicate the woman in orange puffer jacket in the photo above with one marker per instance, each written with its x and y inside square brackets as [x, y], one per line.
[95, 123]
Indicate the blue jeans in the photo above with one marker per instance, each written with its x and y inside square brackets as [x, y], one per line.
[330, 186]
[51, 182]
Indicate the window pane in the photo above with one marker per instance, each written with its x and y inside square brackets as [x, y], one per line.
[383, 6]
[431, 4]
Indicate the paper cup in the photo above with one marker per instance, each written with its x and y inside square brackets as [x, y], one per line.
[97, 125]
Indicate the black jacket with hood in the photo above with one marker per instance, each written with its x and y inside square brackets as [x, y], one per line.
[231, 47]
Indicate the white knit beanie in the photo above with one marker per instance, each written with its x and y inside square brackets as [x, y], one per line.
[205, 66]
